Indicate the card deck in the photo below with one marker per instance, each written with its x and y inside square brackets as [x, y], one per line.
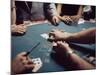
[45, 35]
[38, 64]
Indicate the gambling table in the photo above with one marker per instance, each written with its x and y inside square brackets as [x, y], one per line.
[44, 50]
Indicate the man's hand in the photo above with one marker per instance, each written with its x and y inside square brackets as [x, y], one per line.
[73, 60]
[64, 46]
[57, 35]
[66, 19]
[55, 20]
[62, 49]
[18, 29]
[22, 63]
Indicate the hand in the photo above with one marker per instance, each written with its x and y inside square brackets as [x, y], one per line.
[75, 18]
[56, 35]
[62, 49]
[55, 20]
[64, 46]
[18, 29]
[22, 63]
[66, 19]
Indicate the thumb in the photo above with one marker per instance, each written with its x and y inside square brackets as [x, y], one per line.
[51, 39]
[22, 54]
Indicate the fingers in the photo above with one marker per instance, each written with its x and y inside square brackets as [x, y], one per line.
[30, 61]
[27, 61]
[59, 43]
[22, 54]
[24, 62]
[55, 20]
[63, 44]
[54, 34]
[69, 19]
[51, 38]
[20, 29]
[51, 34]
[29, 66]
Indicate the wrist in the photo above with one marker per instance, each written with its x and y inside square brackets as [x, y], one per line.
[71, 37]
[59, 17]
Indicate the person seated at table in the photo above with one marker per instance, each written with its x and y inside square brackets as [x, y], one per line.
[74, 61]
[16, 29]
[21, 64]
[50, 13]
[87, 36]
[69, 13]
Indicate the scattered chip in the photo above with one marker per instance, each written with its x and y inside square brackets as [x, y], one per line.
[45, 35]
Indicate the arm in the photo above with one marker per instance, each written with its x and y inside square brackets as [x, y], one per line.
[78, 15]
[50, 10]
[86, 36]
[64, 18]
[78, 62]
[13, 12]
[80, 11]
[75, 62]
[59, 7]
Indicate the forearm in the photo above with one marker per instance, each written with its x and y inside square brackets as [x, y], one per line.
[60, 17]
[86, 36]
[80, 11]
[13, 13]
[78, 63]
[59, 7]
[13, 16]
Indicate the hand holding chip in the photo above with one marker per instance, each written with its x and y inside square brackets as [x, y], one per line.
[55, 20]
[66, 19]
[58, 35]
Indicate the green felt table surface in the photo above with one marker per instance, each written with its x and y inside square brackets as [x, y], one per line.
[44, 50]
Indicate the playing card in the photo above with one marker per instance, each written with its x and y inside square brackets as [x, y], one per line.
[38, 64]
[45, 35]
